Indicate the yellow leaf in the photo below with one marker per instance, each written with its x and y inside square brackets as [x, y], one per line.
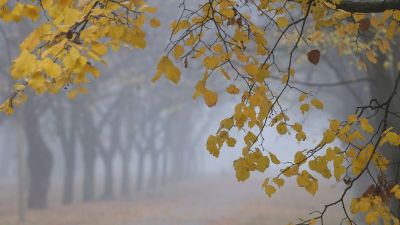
[46, 4]
[24, 65]
[231, 142]
[329, 136]
[148, 9]
[352, 118]
[218, 48]
[99, 49]
[154, 22]
[212, 146]
[313, 187]
[210, 62]
[52, 69]
[71, 95]
[278, 181]
[365, 125]
[167, 68]
[242, 169]
[371, 56]
[210, 98]
[300, 158]
[251, 69]
[338, 172]
[372, 217]
[302, 97]
[178, 51]
[232, 89]
[224, 73]
[282, 22]
[304, 108]
[227, 12]
[250, 138]
[274, 159]
[269, 189]
[262, 163]
[391, 30]
[317, 103]
[290, 171]
[32, 12]
[281, 128]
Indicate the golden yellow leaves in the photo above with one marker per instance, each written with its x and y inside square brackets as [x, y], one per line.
[178, 26]
[300, 134]
[366, 126]
[24, 65]
[74, 61]
[210, 97]
[214, 145]
[305, 107]
[20, 10]
[391, 137]
[251, 69]
[291, 170]
[278, 181]
[99, 49]
[71, 95]
[281, 128]
[178, 51]
[396, 191]
[242, 169]
[232, 89]
[154, 22]
[166, 67]
[371, 56]
[320, 165]
[274, 159]
[374, 208]
[211, 62]
[227, 12]
[317, 103]
[250, 162]
[300, 158]
[307, 181]
[282, 22]
[359, 163]
[269, 189]
[52, 69]
[328, 137]
[70, 38]
[256, 73]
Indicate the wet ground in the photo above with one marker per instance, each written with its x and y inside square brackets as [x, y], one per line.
[202, 201]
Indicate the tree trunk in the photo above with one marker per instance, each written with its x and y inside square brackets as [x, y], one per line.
[154, 169]
[40, 164]
[88, 174]
[69, 170]
[140, 170]
[164, 171]
[381, 88]
[125, 181]
[108, 179]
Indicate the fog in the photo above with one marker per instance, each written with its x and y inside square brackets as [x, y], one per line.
[133, 152]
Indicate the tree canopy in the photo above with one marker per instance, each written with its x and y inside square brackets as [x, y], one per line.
[257, 46]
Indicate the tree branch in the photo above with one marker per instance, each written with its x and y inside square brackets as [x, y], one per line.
[369, 6]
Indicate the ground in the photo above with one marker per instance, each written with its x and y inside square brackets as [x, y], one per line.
[202, 201]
